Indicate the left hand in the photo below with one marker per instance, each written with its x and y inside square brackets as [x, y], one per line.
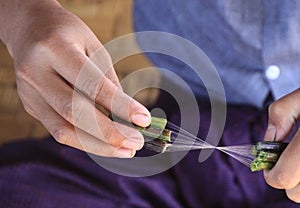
[283, 115]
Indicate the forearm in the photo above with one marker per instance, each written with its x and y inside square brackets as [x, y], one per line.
[15, 17]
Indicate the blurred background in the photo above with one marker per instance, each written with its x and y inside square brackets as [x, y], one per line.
[108, 19]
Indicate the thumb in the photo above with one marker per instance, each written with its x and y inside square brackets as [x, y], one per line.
[283, 114]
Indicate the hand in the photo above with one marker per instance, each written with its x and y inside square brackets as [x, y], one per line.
[283, 115]
[51, 47]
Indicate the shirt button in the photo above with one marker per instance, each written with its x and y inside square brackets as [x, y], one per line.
[272, 72]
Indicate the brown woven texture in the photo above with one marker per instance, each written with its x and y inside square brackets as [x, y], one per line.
[108, 19]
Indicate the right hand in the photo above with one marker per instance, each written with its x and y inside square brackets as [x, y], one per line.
[50, 46]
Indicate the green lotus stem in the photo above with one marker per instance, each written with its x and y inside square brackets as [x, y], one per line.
[258, 164]
[266, 155]
[156, 130]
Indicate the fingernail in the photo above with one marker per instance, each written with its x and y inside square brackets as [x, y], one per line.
[133, 144]
[141, 120]
[125, 153]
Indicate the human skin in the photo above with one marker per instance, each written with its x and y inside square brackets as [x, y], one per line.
[50, 47]
[283, 115]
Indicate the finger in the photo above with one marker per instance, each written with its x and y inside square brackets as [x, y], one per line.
[66, 134]
[77, 110]
[283, 114]
[286, 173]
[100, 57]
[89, 79]
[294, 193]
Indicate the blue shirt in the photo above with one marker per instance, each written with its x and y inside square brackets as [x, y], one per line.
[254, 44]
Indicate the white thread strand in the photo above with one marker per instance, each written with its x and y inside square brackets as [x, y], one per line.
[182, 140]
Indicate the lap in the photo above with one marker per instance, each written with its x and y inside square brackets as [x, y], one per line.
[46, 174]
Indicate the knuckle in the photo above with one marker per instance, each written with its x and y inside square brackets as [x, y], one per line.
[77, 110]
[101, 57]
[91, 87]
[61, 136]
[107, 152]
[72, 111]
[113, 138]
[107, 134]
[67, 111]
[281, 179]
[101, 91]
[23, 73]
[275, 109]
[29, 111]
[294, 196]
[106, 64]
[276, 114]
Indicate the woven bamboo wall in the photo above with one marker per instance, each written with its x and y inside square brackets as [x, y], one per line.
[108, 19]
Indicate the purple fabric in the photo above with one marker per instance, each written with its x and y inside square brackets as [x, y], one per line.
[46, 174]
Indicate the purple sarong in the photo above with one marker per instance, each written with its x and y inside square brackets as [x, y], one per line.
[46, 174]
